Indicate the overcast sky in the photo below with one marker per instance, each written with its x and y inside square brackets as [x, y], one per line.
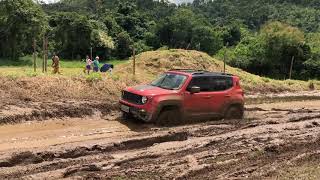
[49, 1]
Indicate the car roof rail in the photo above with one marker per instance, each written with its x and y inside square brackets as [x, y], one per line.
[213, 73]
[189, 70]
[200, 71]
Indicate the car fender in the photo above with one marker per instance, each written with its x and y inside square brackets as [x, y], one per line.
[232, 103]
[175, 101]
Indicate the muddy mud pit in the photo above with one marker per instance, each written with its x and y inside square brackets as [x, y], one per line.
[89, 140]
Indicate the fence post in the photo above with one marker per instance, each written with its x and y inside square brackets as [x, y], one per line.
[44, 53]
[291, 66]
[34, 56]
[134, 61]
[46, 56]
[91, 53]
[224, 58]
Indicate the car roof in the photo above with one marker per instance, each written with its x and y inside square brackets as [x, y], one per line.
[201, 72]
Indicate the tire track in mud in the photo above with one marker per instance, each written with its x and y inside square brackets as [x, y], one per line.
[220, 150]
[45, 111]
[62, 159]
[266, 151]
[28, 157]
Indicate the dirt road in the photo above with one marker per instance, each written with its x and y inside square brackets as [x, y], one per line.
[275, 141]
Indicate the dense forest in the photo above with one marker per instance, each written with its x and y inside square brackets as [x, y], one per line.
[260, 36]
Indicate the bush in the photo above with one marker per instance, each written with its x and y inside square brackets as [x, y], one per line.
[93, 77]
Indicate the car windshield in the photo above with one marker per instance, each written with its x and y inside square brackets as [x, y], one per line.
[170, 81]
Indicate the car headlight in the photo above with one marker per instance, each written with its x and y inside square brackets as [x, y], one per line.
[144, 99]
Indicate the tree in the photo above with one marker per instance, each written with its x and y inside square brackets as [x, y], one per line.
[283, 42]
[21, 22]
[204, 38]
[124, 45]
[72, 34]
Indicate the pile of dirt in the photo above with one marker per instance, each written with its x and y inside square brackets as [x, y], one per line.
[151, 63]
[55, 88]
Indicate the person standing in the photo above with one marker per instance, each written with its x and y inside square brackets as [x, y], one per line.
[55, 64]
[96, 64]
[88, 64]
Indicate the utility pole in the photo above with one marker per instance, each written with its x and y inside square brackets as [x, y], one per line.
[34, 56]
[291, 66]
[134, 61]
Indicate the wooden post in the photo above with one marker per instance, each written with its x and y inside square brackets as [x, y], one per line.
[91, 53]
[46, 57]
[34, 56]
[224, 60]
[134, 61]
[44, 54]
[291, 66]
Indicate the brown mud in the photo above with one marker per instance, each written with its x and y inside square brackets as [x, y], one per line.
[88, 140]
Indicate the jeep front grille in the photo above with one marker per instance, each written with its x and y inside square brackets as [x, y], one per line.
[130, 97]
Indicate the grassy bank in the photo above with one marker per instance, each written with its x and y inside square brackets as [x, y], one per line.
[24, 67]
[20, 82]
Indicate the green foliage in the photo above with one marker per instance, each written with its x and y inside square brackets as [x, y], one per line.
[260, 36]
[141, 46]
[94, 77]
[21, 21]
[71, 34]
[204, 38]
[124, 45]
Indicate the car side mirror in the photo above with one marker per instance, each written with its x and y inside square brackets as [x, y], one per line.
[194, 89]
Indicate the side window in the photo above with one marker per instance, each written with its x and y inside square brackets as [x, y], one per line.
[221, 83]
[202, 82]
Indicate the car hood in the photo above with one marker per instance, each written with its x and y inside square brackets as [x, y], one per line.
[148, 90]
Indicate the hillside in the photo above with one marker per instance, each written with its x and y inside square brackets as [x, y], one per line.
[74, 85]
[260, 36]
[152, 63]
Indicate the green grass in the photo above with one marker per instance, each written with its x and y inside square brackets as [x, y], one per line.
[24, 67]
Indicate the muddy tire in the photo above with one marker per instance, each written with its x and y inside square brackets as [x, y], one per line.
[169, 117]
[234, 112]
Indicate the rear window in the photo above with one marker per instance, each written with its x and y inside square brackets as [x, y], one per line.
[211, 83]
[221, 83]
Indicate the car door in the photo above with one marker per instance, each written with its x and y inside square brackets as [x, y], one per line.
[198, 104]
[221, 92]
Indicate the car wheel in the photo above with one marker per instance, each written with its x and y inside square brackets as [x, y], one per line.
[169, 117]
[234, 112]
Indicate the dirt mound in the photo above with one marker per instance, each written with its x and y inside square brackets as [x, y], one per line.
[54, 88]
[151, 63]
[157, 61]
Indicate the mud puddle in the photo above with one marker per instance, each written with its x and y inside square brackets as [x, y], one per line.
[59, 131]
[271, 140]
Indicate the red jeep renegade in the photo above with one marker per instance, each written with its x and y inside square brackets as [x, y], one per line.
[184, 93]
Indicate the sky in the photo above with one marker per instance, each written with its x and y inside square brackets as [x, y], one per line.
[50, 1]
[175, 1]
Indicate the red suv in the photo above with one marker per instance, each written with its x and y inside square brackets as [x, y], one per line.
[183, 93]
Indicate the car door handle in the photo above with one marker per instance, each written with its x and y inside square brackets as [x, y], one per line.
[207, 97]
[227, 95]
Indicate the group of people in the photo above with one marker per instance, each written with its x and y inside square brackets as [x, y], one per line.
[95, 65]
[90, 65]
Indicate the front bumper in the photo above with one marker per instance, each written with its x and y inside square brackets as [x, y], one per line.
[137, 112]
